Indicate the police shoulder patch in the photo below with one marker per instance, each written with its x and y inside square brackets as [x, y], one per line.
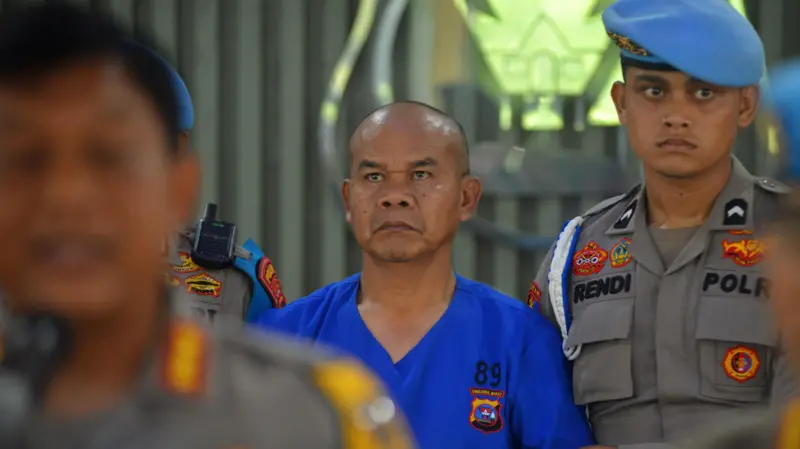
[608, 203]
[268, 279]
[368, 417]
[534, 294]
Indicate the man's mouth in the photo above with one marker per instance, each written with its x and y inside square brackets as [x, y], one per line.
[396, 226]
[676, 144]
[71, 252]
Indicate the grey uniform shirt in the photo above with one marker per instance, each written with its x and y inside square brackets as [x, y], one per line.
[765, 430]
[230, 390]
[667, 350]
[209, 293]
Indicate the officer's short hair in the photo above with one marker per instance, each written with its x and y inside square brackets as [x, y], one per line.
[40, 39]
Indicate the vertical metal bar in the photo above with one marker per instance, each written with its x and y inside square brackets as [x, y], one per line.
[332, 228]
[202, 76]
[290, 142]
[245, 139]
[421, 32]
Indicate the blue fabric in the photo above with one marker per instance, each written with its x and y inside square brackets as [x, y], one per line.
[706, 39]
[486, 347]
[184, 99]
[783, 98]
[185, 106]
[565, 276]
[260, 301]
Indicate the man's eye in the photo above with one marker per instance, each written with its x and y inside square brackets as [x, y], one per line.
[373, 177]
[420, 174]
[109, 157]
[704, 94]
[653, 92]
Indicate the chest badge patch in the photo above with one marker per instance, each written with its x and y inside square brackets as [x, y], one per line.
[486, 415]
[204, 285]
[589, 260]
[745, 252]
[186, 264]
[620, 254]
[534, 294]
[741, 363]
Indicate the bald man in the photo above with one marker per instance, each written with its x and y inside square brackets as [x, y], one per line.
[452, 351]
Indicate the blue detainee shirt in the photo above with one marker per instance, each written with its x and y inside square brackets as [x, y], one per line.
[489, 373]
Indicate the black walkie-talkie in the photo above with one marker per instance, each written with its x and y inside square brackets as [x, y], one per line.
[214, 241]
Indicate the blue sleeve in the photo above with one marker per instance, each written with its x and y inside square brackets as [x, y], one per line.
[267, 292]
[545, 416]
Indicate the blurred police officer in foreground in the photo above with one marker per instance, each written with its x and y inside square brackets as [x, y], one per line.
[659, 293]
[92, 182]
[209, 272]
[779, 428]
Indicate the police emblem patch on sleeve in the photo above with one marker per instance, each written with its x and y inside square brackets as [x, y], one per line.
[620, 253]
[741, 363]
[534, 294]
[589, 260]
[486, 415]
[268, 279]
[204, 285]
[186, 264]
[745, 252]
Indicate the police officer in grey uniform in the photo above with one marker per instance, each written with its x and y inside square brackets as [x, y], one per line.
[239, 285]
[778, 428]
[92, 182]
[241, 290]
[659, 293]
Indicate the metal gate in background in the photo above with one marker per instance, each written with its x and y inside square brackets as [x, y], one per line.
[260, 72]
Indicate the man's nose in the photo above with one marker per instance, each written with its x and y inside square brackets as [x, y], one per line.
[676, 121]
[397, 196]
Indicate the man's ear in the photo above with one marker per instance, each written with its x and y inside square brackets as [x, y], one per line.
[748, 105]
[185, 186]
[618, 97]
[345, 199]
[471, 191]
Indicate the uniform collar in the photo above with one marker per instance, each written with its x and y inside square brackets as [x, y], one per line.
[732, 210]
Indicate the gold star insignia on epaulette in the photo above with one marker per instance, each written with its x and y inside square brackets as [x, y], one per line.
[627, 44]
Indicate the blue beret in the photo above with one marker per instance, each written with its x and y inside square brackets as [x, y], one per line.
[184, 100]
[783, 99]
[706, 39]
[185, 106]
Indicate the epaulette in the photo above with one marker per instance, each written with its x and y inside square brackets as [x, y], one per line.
[608, 203]
[772, 185]
[250, 260]
[238, 251]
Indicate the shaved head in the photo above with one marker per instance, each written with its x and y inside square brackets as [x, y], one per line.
[414, 117]
[409, 186]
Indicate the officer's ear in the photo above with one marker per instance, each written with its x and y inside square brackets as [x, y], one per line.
[185, 181]
[346, 199]
[618, 97]
[749, 98]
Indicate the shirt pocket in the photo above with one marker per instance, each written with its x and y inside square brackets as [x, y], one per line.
[736, 342]
[602, 371]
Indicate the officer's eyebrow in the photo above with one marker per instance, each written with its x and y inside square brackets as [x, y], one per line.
[649, 78]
